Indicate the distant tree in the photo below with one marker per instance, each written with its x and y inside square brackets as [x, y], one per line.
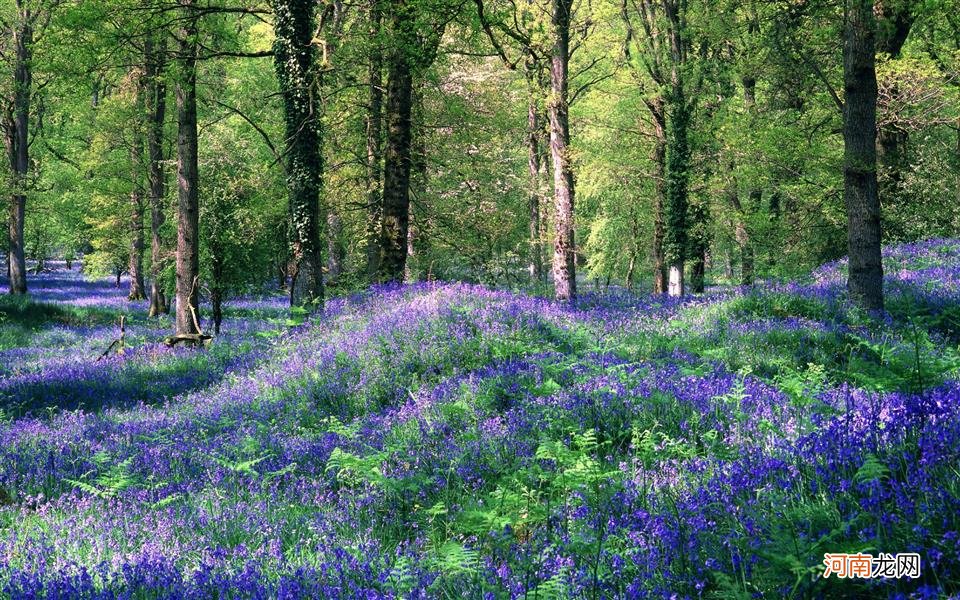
[521, 26]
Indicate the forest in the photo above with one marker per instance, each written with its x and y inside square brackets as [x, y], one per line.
[480, 299]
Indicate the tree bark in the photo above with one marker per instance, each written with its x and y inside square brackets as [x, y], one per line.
[135, 266]
[396, 171]
[865, 281]
[374, 143]
[564, 249]
[295, 60]
[188, 207]
[18, 141]
[156, 100]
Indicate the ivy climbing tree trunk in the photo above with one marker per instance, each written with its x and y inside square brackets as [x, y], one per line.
[17, 130]
[678, 167]
[155, 50]
[295, 62]
[188, 200]
[564, 249]
[678, 148]
[865, 281]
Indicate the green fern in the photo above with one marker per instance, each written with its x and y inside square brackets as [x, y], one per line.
[245, 467]
[108, 484]
[555, 587]
[872, 470]
[455, 559]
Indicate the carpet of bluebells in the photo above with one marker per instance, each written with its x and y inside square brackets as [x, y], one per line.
[449, 440]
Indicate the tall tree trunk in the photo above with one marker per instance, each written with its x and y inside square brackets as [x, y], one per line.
[564, 249]
[396, 170]
[295, 60]
[659, 159]
[865, 281]
[188, 207]
[374, 142]
[135, 266]
[678, 174]
[155, 51]
[18, 141]
[535, 129]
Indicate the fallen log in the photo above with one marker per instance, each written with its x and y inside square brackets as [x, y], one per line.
[191, 339]
[120, 342]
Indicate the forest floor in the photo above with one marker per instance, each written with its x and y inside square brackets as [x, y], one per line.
[449, 440]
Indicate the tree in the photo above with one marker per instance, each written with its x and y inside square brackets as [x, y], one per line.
[188, 198]
[664, 48]
[16, 130]
[521, 26]
[155, 59]
[396, 169]
[135, 267]
[295, 60]
[865, 281]
[564, 248]
[413, 41]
